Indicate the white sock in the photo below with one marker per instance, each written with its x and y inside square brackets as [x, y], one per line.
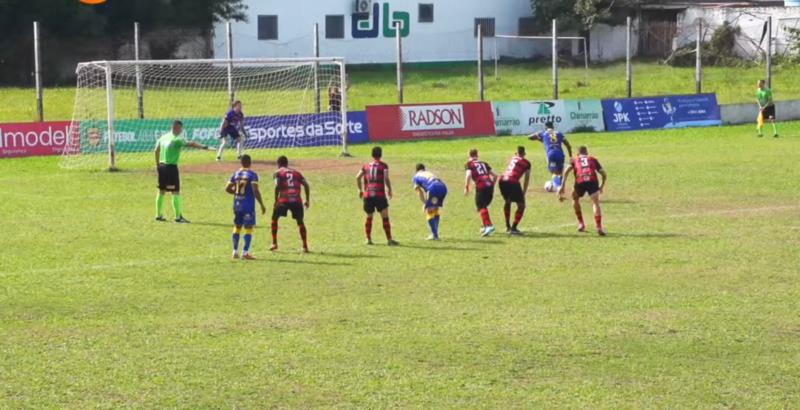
[221, 148]
[239, 148]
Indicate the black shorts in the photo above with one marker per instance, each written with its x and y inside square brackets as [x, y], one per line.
[483, 197]
[769, 112]
[230, 134]
[512, 192]
[282, 210]
[169, 179]
[375, 203]
[584, 188]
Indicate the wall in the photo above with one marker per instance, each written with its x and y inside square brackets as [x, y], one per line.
[607, 43]
[746, 113]
[449, 38]
[750, 20]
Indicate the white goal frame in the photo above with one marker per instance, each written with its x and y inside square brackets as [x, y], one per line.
[108, 67]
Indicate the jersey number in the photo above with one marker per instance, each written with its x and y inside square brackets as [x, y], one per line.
[290, 180]
[241, 186]
[373, 173]
[584, 162]
[480, 169]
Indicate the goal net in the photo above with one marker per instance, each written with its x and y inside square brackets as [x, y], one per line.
[123, 107]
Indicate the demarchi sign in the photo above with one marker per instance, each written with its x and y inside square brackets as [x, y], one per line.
[33, 138]
[527, 117]
[404, 122]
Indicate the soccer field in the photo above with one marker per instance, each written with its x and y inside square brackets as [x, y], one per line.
[691, 301]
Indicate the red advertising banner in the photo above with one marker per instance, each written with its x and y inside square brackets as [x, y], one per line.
[415, 121]
[33, 138]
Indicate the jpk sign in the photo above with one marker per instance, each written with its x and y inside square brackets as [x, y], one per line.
[33, 138]
[368, 25]
[662, 112]
[526, 117]
[402, 122]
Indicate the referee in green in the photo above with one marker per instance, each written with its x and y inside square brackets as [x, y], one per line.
[168, 154]
[766, 108]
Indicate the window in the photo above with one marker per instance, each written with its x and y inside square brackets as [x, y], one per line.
[426, 13]
[267, 27]
[527, 26]
[487, 26]
[334, 26]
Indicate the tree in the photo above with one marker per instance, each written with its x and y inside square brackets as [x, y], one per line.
[579, 15]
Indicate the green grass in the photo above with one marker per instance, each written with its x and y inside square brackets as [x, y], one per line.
[376, 86]
[691, 301]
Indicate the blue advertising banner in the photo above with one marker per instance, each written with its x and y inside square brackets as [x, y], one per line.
[677, 111]
[306, 130]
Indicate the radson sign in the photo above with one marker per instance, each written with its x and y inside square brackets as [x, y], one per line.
[398, 122]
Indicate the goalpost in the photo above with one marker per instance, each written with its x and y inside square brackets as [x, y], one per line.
[123, 107]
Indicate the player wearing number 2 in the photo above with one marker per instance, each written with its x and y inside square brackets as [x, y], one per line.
[288, 198]
[375, 188]
[585, 168]
[243, 185]
[481, 174]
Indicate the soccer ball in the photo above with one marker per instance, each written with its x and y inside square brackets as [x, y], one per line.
[549, 186]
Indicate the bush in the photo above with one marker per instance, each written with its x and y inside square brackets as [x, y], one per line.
[717, 52]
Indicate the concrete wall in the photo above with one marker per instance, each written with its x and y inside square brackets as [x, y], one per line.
[746, 113]
[750, 20]
[448, 38]
[608, 42]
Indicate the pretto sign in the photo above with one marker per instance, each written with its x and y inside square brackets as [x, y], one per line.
[33, 138]
[403, 122]
[677, 111]
[527, 117]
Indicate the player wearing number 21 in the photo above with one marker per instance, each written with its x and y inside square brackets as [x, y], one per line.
[481, 174]
[288, 198]
[585, 168]
[243, 185]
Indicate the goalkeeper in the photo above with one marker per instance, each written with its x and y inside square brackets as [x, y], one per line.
[232, 128]
[168, 153]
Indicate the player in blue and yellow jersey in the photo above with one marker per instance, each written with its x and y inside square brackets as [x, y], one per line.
[243, 185]
[232, 128]
[553, 141]
[432, 192]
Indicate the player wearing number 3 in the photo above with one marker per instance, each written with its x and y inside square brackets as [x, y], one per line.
[481, 174]
[243, 185]
[585, 168]
[288, 198]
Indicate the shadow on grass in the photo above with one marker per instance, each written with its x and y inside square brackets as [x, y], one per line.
[270, 260]
[344, 255]
[438, 246]
[217, 224]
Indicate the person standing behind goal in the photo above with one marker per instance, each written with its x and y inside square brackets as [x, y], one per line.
[232, 128]
[168, 154]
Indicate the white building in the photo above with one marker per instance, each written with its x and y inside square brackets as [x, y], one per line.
[433, 30]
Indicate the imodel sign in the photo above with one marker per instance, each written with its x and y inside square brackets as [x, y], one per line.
[676, 111]
[526, 117]
[405, 122]
[33, 138]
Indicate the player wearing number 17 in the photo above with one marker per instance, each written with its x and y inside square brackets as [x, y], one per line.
[585, 168]
[481, 174]
[243, 185]
[374, 186]
[288, 198]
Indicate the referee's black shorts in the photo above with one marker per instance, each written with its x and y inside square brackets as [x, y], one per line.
[169, 179]
[769, 112]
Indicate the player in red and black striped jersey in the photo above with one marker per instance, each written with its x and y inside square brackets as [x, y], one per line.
[375, 188]
[518, 169]
[288, 198]
[481, 174]
[586, 168]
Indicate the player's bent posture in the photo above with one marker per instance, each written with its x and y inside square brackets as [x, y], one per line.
[518, 168]
[232, 129]
[288, 198]
[168, 154]
[585, 168]
[243, 185]
[432, 192]
[374, 187]
[766, 108]
[481, 174]
[553, 141]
